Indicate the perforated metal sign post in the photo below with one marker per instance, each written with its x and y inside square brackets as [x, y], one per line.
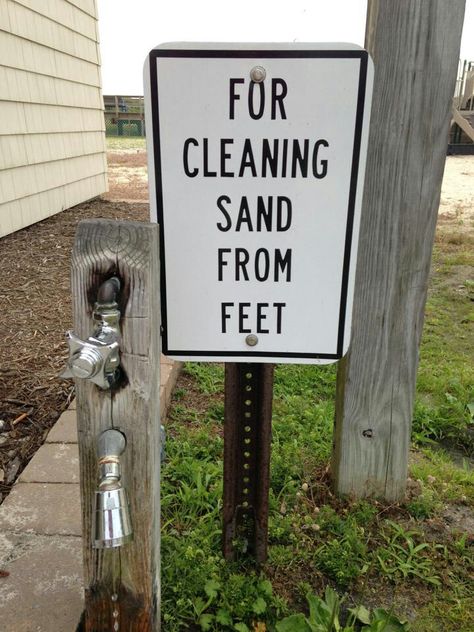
[247, 438]
[256, 162]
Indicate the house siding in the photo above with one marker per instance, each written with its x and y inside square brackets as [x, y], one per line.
[52, 132]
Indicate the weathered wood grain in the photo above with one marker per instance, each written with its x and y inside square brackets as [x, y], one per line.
[415, 48]
[128, 250]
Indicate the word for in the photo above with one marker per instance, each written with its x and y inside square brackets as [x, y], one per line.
[279, 90]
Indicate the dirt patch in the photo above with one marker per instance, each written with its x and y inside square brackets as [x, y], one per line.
[128, 176]
[191, 398]
[456, 209]
[405, 600]
[128, 157]
[460, 279]
[459, 519]
[35, 302]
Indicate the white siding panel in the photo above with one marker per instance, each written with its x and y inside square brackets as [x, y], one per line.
[30, 149]
[19, 53]
[31, 118]
[64, 13]
[52, 140]
[20, 213]
[25, 181]
[13, 152]
[12, 118]
[37, 28]
[73, 68]
[88, 6]
[4, 16]
[19, 85]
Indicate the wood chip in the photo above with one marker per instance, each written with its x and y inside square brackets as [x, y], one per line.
[20, 402]
[19, 418]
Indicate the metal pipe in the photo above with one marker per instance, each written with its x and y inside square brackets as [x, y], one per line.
[108, 291]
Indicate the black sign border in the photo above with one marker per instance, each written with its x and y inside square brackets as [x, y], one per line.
[259, 54]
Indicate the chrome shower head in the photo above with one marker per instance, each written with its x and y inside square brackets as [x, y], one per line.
[112, 525]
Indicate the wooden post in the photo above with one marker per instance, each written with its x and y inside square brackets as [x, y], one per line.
[122, 585]
[415, 48]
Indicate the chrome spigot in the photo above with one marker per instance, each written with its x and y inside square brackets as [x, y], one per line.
[112, 525]
[97, 358]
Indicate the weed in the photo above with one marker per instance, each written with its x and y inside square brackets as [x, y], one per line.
[342, 559]
[179, 394]
[209, 377]
[424, 505]
[324, 616]
[403, 558]
[343, 556]
[461, 545]
[216, 411]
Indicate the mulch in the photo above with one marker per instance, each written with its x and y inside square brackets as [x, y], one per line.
[35, 304]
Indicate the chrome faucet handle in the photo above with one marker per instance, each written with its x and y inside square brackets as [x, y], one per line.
[97, 358]
[93, 360]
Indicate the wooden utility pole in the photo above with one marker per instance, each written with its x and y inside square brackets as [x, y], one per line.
[415, 48]
[122, 584]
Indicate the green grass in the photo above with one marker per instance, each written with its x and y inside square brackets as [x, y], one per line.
[444, 409]
[315, 539]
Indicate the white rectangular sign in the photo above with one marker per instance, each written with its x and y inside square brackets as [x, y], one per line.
[256, 166]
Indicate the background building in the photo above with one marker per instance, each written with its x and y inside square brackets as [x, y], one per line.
[52, 140]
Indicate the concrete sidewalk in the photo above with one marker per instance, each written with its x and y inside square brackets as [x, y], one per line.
[40, 531]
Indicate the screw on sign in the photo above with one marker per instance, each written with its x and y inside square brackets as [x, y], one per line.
[257, 156]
